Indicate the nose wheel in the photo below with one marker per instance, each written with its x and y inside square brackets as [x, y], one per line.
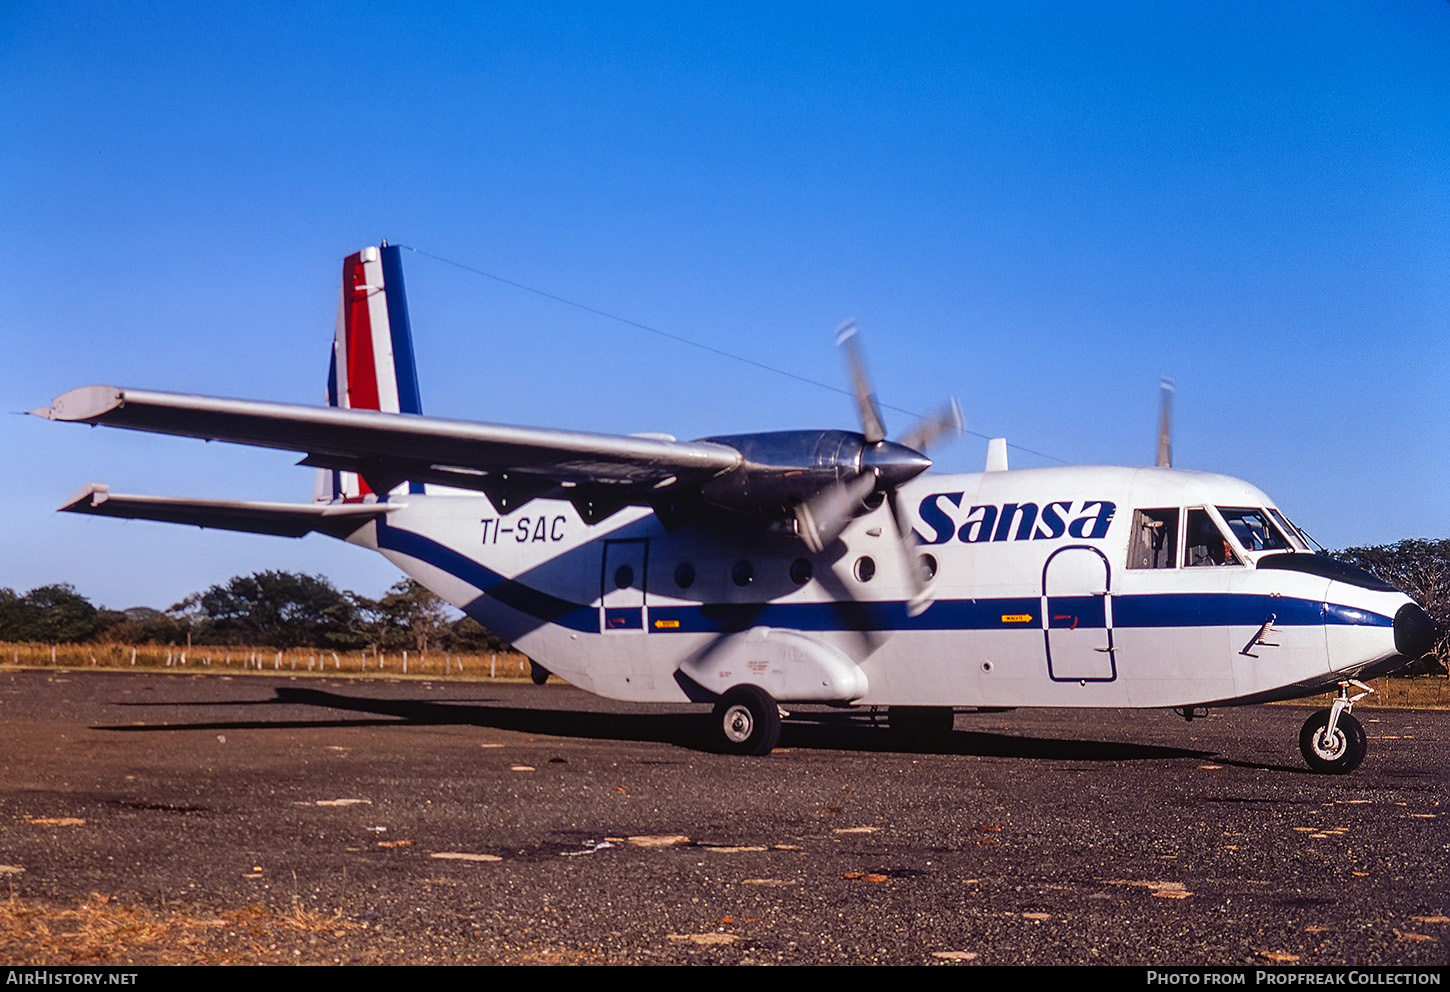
[1333, 740]
[747, 721]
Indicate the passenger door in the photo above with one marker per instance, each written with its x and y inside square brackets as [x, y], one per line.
[622, 604]
[1077, 616]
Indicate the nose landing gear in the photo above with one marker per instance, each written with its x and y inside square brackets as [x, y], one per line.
[1332, 740]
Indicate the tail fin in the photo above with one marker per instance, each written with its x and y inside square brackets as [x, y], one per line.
[373, 367]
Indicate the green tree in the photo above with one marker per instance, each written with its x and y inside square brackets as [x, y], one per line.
[54, 614]
[281, 609]
[416, 613]
[468, 634]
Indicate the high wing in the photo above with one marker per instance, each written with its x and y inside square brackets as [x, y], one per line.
[599, 473]
[373, 438]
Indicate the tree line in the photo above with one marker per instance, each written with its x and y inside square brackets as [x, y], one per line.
[272, 609]
[291, 610]
[1421, 569]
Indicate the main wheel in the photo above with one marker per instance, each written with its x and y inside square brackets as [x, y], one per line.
[920, 726]
[1335, 753]
[747, 721]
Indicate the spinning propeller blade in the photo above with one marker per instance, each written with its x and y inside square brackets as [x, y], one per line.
[871, 424]
[820, 519]
[884, 466]
[1165, 423]
[947, 419]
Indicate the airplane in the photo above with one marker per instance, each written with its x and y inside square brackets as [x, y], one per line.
[753, 571]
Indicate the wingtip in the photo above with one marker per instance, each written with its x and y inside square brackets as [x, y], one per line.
[83, 403]
[92, 494]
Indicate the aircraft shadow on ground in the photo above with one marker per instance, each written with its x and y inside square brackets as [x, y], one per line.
[846, 731]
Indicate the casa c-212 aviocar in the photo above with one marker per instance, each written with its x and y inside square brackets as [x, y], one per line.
[753, 571]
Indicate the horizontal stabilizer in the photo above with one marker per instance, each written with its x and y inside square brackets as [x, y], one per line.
[280, 519]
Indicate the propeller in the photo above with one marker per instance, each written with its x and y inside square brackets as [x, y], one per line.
[882, 468]
[1165, 422]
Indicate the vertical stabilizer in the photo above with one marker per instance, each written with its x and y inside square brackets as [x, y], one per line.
[373, 367]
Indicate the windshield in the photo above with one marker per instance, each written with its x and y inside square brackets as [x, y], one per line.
[1296, 536]
[1206, 543]
[1254, 529]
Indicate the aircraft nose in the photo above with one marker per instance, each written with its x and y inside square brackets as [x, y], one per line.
[1415, 632]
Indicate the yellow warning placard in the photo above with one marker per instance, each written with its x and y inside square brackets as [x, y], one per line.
[1017, 618]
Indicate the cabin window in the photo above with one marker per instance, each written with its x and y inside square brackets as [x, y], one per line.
[926, 567]
[1155, 539]
[800, 571]
[865, 569]
[1254, 529]
[684, 575]
[1206, 543]
[743, 573]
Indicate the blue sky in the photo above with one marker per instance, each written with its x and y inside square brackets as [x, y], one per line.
[1038, 208]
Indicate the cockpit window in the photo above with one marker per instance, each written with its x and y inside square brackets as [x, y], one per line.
[1296, 536]
[1254, 529]
[1206, 543]
[1154, 539]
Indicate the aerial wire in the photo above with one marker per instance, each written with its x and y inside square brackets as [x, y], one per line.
[680, 339]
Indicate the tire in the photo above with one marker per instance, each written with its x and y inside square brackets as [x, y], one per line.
[1337, 755]
[746, 721]
[920, 726]
[538, 674]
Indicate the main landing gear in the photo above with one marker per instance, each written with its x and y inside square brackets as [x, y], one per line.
[747, 721]
[1332, 740]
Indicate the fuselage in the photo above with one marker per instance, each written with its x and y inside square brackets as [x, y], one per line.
[1059, 587]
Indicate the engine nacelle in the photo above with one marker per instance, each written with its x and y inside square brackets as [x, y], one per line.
[783, 469]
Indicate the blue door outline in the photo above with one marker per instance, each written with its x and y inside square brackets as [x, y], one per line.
[622, 602]
[1077, 618]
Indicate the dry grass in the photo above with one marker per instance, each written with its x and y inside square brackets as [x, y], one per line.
[1421, 692]
[125, 657]
[104, 931]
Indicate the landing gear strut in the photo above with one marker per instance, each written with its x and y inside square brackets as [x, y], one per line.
[1332, 740]
[747, 721]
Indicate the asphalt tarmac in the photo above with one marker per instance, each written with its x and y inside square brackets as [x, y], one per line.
[458, 822]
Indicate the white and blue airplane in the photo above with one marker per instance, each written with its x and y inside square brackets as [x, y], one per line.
[811, 566]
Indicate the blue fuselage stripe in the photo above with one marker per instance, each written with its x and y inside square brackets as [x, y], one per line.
[1004, 613]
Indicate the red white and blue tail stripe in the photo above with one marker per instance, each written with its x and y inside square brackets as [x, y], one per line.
[373, 367]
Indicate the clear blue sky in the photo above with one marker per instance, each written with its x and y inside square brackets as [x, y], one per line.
[1039, 208]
